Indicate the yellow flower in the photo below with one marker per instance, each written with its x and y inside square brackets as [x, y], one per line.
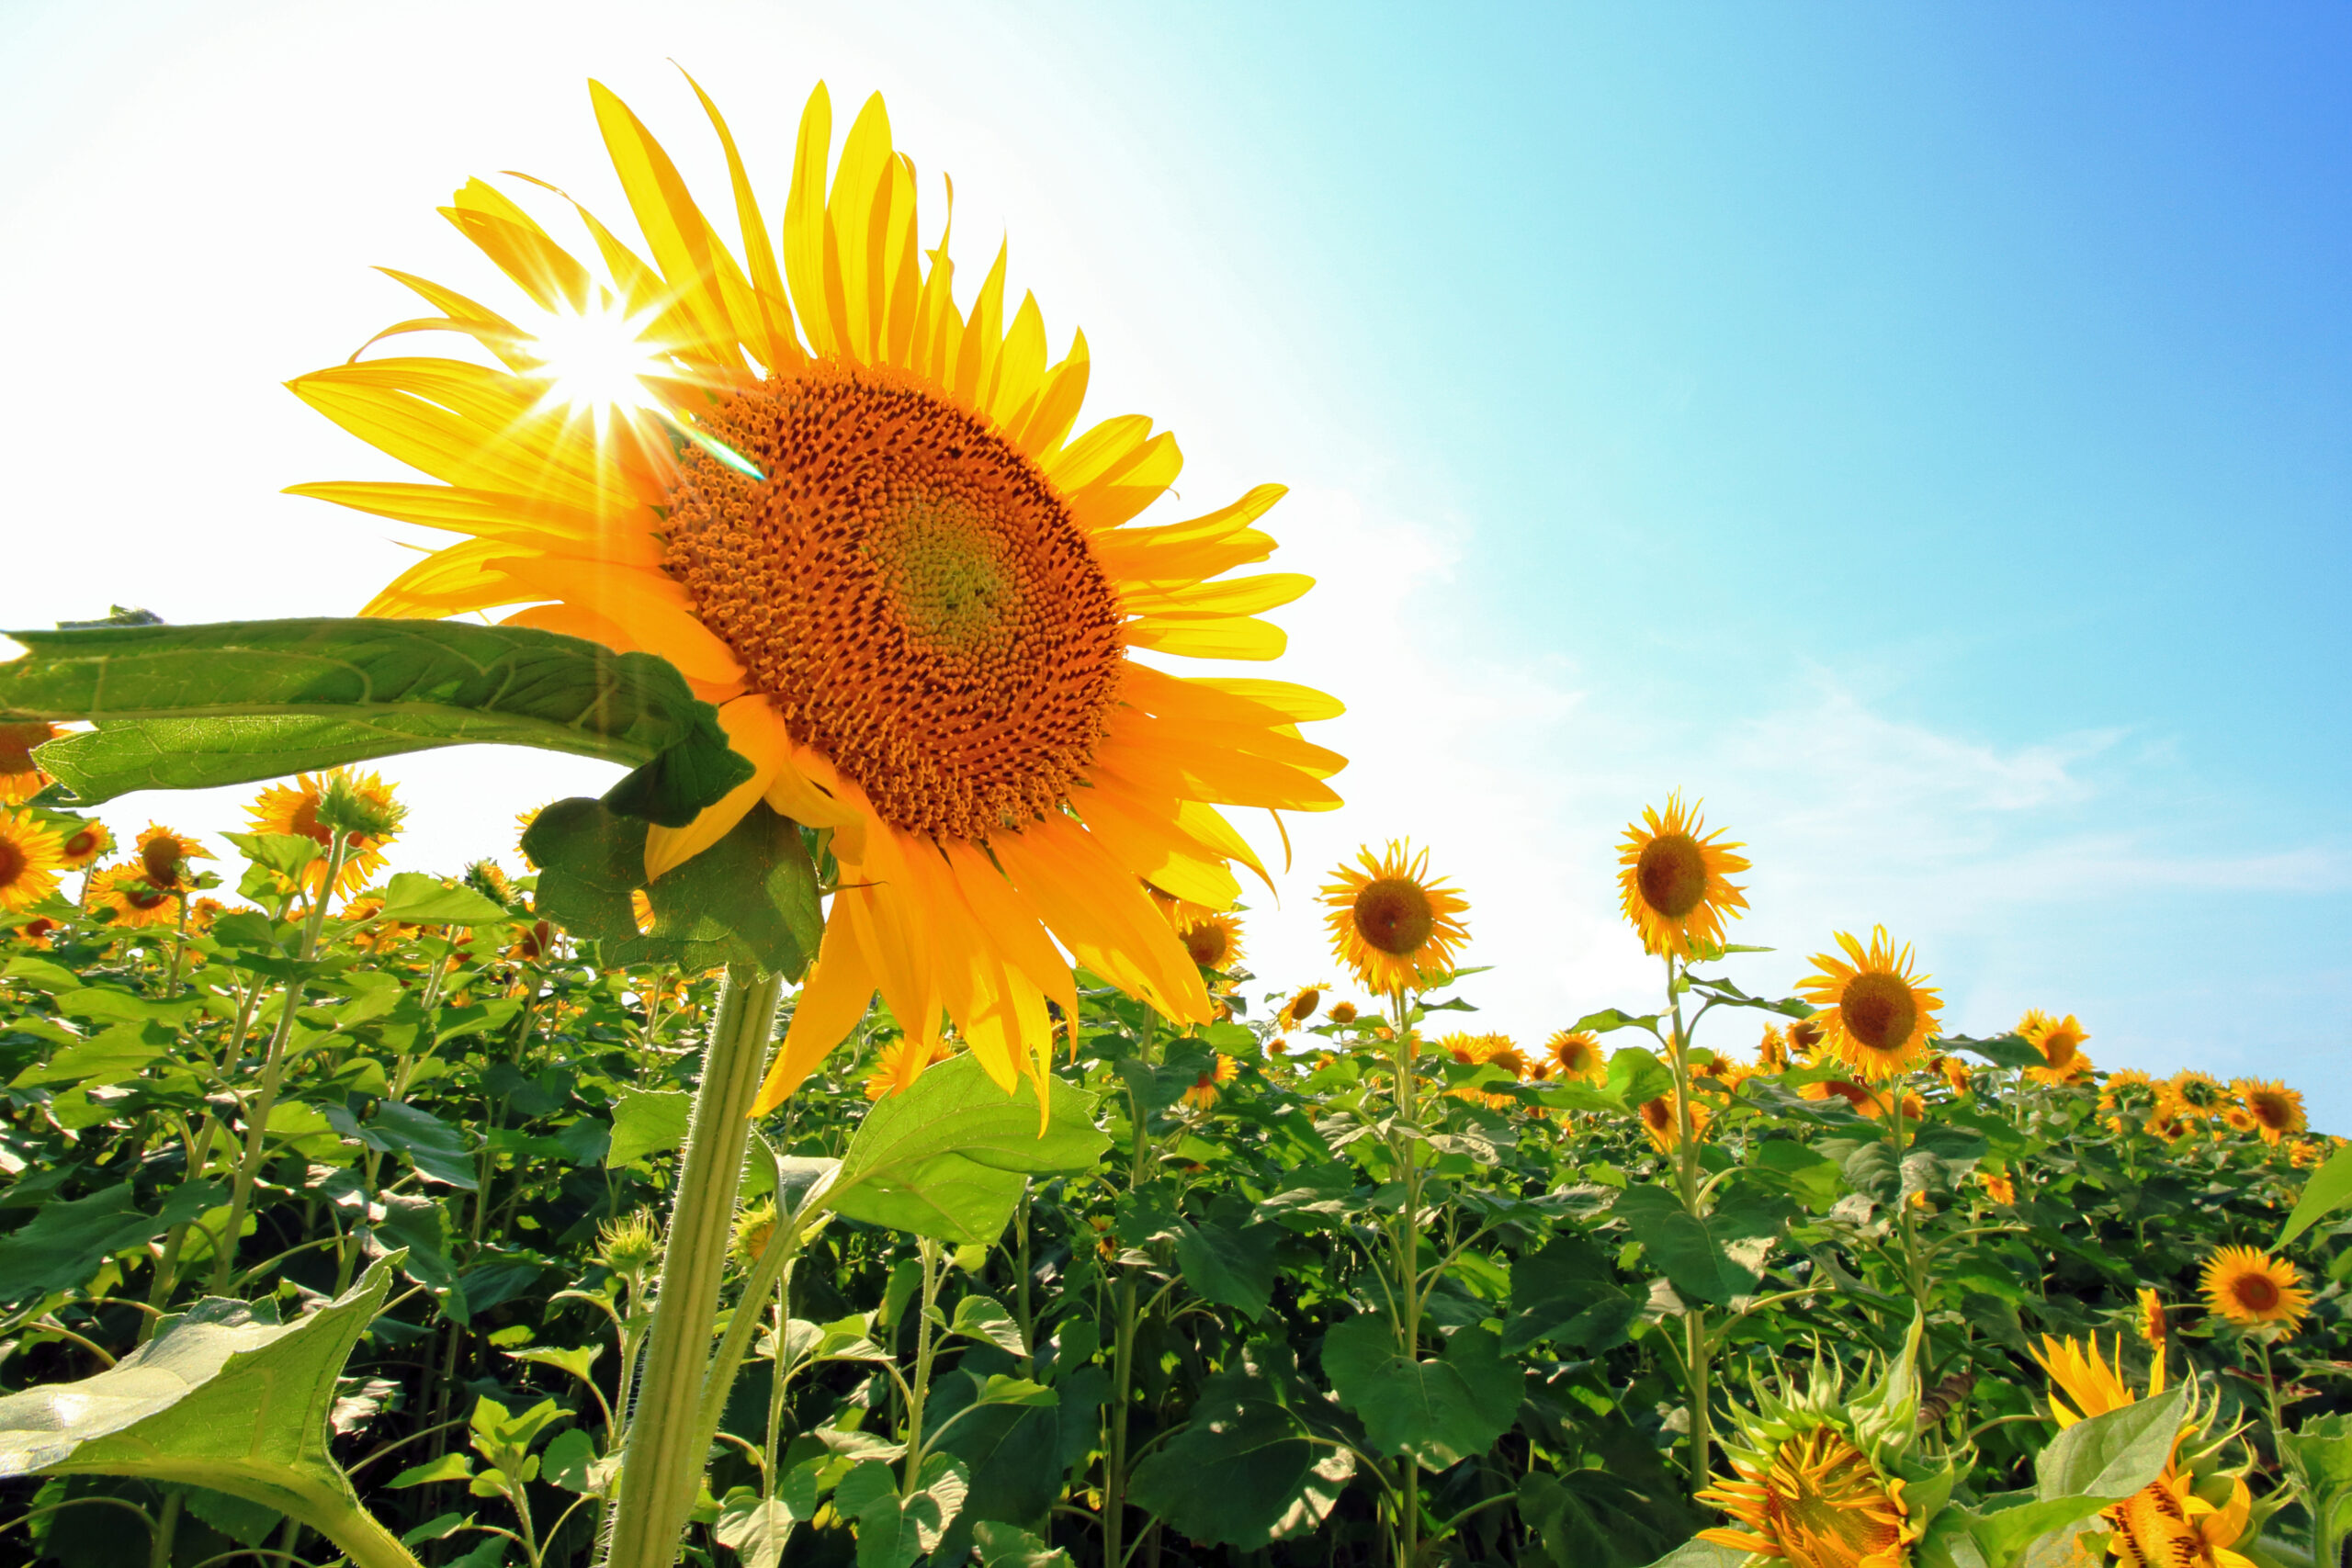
[1806, 1038]
[857, 519]
[2305, 1152]
[641, 910]
[2271, 1108]
[2153, 1326]
[2126, 1082]
[293, 810]
[901, 1063]
[135, 901]
[2166, 1522]
[1576, 1053]
[1819, 1503]
[1877, 1014]
[1301, 1007]
[1997, 1187]
[164, 855]
[2168, 1122]
[21, 777]
[1342, 1013]
[1773, 1051]
[2058, 1040]
[1662, 1121]
[1675, 886]
[1214, 942]
[30, 856]
[2250, 1287]
[39, 929]
[2193, 1093]
[1955, 1074]
[1202, 1094]
[1391, 923]
[82, 844]
[1874, 1103]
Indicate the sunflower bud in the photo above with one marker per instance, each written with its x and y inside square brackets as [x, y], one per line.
[628, 1245]
[346, 807]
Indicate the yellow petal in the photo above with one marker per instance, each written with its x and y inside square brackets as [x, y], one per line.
[753, 730]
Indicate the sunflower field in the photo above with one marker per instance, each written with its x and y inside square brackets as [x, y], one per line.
[859, 1136]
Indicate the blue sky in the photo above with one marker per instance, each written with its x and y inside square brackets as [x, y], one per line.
[1920, 431]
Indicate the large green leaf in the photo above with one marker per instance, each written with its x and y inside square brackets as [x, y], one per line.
[1589, 1518]
[1438, 1411]
[1228, 1259]
[947, 1158]
[1715, 1259]
[1568, 1292]
[222, 1398]
[2329, 1188]
[186, 707]
[1020, 1454]
[63, 1244]
[750, 898]
[1258, 1461]
[2090, 1464]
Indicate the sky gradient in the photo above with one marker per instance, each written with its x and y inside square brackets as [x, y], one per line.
[1921, 432]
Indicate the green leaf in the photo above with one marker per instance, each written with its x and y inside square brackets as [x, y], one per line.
[2329, 1188]
[63, 1244]
[1714, 1259]
[2111, 1456]
[288, 854]
[1568, 1292]
[420, 1229]
[1438, 1411]
[647, 1121]
[1019, 1455]
[113, 1056]
[1814, 1179]
[188, 707]
[1009, 1546]
[892, 1532]
[1589, 1518]
[571, 1462]
[1696, 1553]
[755, 1528]
[436, 1149]
[984, 1318]
[218, 1398]
[1258, 1461]
[248, 1524]
[1636, 1076]
[2002, 1050]
[750, 898]
[448, 1467]
[1228, 1259]
[1609, 1019]
[947, 1157]
[422, 900]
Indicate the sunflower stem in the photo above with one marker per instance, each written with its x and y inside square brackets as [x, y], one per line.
[1114, 1462]
[1697, 1354]
[1407, 1267]
[273, 1071]
[662, 1463]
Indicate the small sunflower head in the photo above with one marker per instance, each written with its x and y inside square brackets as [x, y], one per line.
[1204, 1092]
[30, 856]
[1392, 923]
[359, 806]
[1576, 1053]
[164, 855]
[1342, 1013]
[1661, 1119]
[2253, 1289]
[1773, 1050]
[2153, 1326]
[1998, 1186]
[2127, 1088]
[82, 841]
[1675, 881]
[754, 1228]
[2271, 1109]
[1876, 1013]
[21, 777]
[2059, 1040]
[2195, 1093]
[629, 1245]
[489, 878]
[1212, 941]
[1302, 1006]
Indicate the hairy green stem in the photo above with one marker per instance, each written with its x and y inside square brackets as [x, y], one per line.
[1697, 1358]
[661, 1462]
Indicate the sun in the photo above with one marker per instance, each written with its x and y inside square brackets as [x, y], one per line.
[595, 361]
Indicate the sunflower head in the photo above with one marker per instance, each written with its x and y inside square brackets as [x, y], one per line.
[1341, 1013]
[1807, 1038]
[136, 902]
[31, 854]
[21, 777]
[2059, 1040]
[1661, 1119]
[900, 1063]
[1214, 942]
[2252, 1288]
[489, 878]
[2270, 1109]
[2153, 1324]
[82, 841]
[1773, 1050]
[1876, 1013]
[2194, 1093]
[2168, 1123]
[164, 855]
[629, 1245]
[1302, 1006]
[2304, 1153]
[41, 928]
[1576, 1053]
[1675, 881]
[1955, 1074]
[2127, 1088]
[294, 810]
[1392, 923]
[1997, 1187]
[1204, 1092]
[755, 1225]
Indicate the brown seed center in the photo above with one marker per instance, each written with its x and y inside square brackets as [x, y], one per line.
[2256, 1293]
[1879, 1010]
[1393, 916]
[909, 590]
[161, 860]
[13, 861]
[1207, 946]
[1672, 874]
[17, 743]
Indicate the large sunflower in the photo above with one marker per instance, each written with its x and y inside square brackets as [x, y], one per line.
[292, 810]
[1818, 1503]
[1392, 923]
[30, 855]
[1878, 1016]
[863, 522]
[1675, 886]
[2250, 1287]
[83, 844]
[2059, 1040]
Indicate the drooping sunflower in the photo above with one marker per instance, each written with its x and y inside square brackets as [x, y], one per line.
[30, 856]
[1675, 886]
[1877, 1015]
[2250, 1287]
[1302, 1006]
[164, 854]
[2059, 1040]
[1954, 1072]
[1773, 1050]
[134, 899]
[293, 810]
[863, 521]
[2193, 1513]
[83, 844]
[1390, 921]
[2275, 1110]
[1576, 1053]
[2126, 1087]
[21, 778]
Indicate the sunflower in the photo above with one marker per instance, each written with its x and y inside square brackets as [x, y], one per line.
[1876, 1105]
[2250, 1287]
[134, 899]
[523, 823]
[1954, 1072]
[534, 944]
[1878, 1016]
[1997, 1187]
[1391, 923]
[1661, 1120]
[2238, 1119]
[1342, 1013]
[21, 778]
[81, 844]
[2305, 1152]
[2193, 1093]
[1806, 1038]
[1576, 1053]
[1301, 1007]
[2272, 1108]
[2173, 1520]
[164, 854]
[1818, 1503]
[489, 878]
[39, 929]
[857, 519]
[1214, 942]
[901, 1063]
[1773, 1051]
[2168, 1122]
[2153, 1323]
[30, 856]
[1202, 1094]
[2126, 1083]
[2058, 1040]
[1675, 886]
[293, 810]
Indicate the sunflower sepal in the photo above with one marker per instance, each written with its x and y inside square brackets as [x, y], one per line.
[752, 897]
